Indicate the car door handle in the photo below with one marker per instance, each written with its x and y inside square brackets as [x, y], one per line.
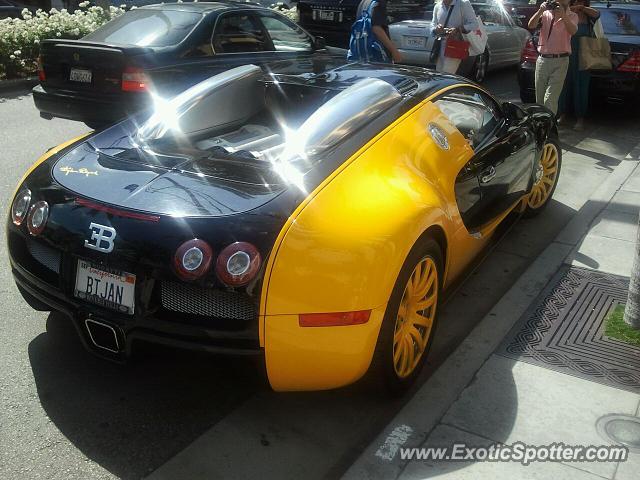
[488, 174]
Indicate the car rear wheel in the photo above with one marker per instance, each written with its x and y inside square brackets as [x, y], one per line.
[409, 322]
[545, 179]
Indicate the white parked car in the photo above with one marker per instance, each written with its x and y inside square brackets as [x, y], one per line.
[504, 45]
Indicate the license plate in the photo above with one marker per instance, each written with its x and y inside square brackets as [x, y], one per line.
[106, 287]
[327, 15]
[415, 42]
[80, 75]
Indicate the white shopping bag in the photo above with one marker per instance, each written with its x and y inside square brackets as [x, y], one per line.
[598, 30]
[477, 39]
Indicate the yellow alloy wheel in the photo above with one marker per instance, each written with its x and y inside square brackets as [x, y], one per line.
[546, 176]
[415, 317]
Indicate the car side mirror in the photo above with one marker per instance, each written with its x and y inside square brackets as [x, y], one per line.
[319, 43]
[512, 112]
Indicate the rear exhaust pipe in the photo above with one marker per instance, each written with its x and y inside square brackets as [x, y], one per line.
[103, 335]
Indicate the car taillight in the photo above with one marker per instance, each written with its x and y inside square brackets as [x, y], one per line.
[20, 207]
[238, 264]
[37, 218]
[41, 75]
[529, 52]
[192, 259]
[134, 80]
[631, 64]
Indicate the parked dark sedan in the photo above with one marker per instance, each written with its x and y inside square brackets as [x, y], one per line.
[621, 24]
[156, 51]
[11, 9]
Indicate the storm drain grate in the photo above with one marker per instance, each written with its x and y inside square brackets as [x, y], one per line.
[564, 330]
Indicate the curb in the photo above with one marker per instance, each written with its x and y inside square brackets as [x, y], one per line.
[18, 84]
[413, 424]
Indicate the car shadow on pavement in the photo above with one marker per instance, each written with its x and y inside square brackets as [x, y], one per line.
[13, 94]
[132, 418]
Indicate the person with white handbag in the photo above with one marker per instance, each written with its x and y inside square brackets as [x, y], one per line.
[451, 19]
[575, 95]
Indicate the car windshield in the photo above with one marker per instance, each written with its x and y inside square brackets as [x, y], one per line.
[147, 27]
[620, 22]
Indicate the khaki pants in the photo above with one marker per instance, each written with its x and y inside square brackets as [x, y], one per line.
[550, 75]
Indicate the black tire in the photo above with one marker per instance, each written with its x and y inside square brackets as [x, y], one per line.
[480, 67]
[530, 209]
[527, 97]
[382, 364]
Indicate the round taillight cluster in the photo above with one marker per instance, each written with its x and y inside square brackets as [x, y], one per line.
[37, 218]
[20, 206]
[192, 259]
[236, 265]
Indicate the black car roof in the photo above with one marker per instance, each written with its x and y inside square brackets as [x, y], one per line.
[203, 7]
[340, 74]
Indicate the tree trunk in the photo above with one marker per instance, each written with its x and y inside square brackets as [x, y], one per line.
[632, 310]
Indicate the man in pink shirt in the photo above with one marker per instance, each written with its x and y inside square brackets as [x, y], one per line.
[559, 23]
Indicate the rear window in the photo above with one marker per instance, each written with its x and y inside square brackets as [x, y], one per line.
[620, 22]
[152, 28]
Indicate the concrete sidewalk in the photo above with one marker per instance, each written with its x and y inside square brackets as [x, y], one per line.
[480, 398]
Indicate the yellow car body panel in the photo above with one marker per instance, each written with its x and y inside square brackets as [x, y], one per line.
[44, 157]
[343, 250]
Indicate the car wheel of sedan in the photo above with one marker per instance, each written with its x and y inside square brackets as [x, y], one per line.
[409, 322]
[480, 67]
[546, 177]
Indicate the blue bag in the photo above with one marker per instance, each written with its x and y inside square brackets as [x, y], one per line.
[363, 45]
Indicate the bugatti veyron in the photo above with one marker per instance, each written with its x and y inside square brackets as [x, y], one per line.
[313, 218]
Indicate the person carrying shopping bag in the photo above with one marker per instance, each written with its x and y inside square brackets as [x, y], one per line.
[559, 23]
[575, 95]
[370, 40]
[451, 18]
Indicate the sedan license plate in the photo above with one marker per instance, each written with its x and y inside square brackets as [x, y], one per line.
[106, 287]
[80, 75]
[327, 15]
[415, 42]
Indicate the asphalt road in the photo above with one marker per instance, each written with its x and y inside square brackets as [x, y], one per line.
[65, 414]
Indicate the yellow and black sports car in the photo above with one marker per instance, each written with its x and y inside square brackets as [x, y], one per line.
[313, 218]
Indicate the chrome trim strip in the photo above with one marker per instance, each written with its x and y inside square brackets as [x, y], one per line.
[345, 113]
[113, 330]
[171, 112]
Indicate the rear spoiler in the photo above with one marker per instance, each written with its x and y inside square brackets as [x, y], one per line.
[64, 43]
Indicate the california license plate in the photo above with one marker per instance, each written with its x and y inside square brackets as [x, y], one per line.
[327, 15]
[106, 287]
[80, 75]
[415, 42]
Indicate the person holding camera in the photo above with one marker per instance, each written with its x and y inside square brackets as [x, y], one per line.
[575, 95]
[559, 23]
[451, 18]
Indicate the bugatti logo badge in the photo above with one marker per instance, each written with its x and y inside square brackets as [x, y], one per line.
[439, 136]
[101, 238]
[76, 57]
